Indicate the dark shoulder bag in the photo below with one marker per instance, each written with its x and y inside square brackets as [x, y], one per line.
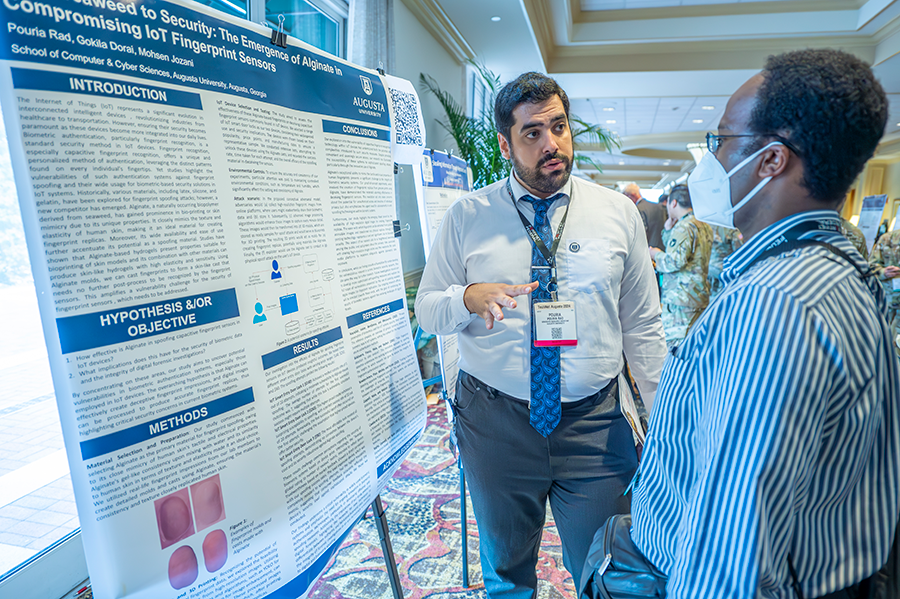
[616, 569]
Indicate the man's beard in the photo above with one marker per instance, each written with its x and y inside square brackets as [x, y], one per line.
[538, 181]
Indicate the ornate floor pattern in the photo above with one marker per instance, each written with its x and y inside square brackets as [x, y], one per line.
[422, 505]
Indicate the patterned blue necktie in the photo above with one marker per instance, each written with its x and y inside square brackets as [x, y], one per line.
[545, 403]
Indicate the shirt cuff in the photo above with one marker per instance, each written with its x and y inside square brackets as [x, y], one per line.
[461, 314]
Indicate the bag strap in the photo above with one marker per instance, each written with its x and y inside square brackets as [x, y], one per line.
[796, 582]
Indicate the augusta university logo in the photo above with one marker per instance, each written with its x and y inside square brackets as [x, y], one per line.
[366, 84]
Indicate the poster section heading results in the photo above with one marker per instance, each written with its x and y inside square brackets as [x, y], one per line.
[168, 42]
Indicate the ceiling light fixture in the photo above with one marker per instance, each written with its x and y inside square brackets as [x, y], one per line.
[495, 18]
[611, 122]
[708, 107]
[608, 109]
[621, 162]
[697, 121]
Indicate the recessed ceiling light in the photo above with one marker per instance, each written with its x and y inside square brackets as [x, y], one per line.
[621, 162]
[697, 120]
[898, 124]
[611, 122]
[708, 107]
[608, 109]
[667, 163]
[495, 18]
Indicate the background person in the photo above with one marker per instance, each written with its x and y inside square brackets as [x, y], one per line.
[724, 243]
[539, 422]
[653, 215]
[684, 266]
[885, 261]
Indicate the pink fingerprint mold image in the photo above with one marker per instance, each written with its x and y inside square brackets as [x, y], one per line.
[207, 499]
[183, 567]
[173, 517]
[215, 550]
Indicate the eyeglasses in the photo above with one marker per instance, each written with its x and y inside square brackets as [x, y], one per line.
[713, 141]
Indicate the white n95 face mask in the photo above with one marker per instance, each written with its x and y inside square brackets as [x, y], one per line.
[710, 189]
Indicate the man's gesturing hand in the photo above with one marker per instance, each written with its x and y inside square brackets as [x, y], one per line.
[487, 300]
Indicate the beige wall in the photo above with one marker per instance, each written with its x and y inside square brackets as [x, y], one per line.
[416, 52]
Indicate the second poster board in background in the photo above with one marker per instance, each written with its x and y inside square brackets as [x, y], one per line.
[870, 218]
[441, 180]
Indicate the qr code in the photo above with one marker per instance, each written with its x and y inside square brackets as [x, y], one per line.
[556, 333]
[406, 118]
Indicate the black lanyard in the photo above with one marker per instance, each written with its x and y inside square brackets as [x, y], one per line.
[790, 240]
[549, 255]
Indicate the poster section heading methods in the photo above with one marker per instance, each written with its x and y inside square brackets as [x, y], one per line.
[209, 221]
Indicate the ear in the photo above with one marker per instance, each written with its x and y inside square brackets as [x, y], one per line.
[504, 145]
[775, 161]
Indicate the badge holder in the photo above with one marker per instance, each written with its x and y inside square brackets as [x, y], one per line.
[553, 322]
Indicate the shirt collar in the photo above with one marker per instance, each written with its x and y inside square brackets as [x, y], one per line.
[735, 264]
[522, 195]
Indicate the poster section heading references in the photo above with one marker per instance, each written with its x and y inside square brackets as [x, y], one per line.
[208, 216]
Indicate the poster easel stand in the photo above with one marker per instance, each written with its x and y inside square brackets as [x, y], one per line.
[440, 378]
[386, 549]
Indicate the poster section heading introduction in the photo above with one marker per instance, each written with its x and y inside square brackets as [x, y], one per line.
[170, 43]
[209, 222]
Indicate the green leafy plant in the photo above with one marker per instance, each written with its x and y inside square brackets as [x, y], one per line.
[476, 136]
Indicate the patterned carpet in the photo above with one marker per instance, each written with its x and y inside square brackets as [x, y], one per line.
[422, 505]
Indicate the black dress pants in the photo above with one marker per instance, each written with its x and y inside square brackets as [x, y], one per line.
[583, 468]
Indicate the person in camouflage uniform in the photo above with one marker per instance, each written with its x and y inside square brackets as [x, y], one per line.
[724, 242]
[855, 236]
[684, 266]
[884, 260]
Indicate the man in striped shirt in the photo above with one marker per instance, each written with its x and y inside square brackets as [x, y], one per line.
[774, 444]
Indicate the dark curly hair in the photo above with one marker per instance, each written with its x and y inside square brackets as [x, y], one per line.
[531, 88]
[829, 105]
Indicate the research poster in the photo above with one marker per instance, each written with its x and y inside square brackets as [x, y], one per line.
[870, 217]
[440, 181]
[209, 220]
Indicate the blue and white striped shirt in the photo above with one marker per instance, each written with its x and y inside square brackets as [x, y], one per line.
[775, 431]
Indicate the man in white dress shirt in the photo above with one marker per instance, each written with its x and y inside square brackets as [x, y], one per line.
[536, 411]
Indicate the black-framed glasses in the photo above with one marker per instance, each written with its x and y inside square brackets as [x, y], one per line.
[713, 141]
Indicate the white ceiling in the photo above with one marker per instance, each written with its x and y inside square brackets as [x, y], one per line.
[622, 4]
[658, 63]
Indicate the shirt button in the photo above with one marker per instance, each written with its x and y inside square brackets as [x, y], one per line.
[574, 247]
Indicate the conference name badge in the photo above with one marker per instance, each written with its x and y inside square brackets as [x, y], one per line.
[554, 324]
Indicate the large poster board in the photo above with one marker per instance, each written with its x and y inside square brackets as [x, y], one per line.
[441, 180]
[870, 217]
[209, 222]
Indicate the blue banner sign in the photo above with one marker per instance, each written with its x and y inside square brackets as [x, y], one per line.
[280, 356]
[373, 313]
[178, 46]
[171, 422]
[129, 323]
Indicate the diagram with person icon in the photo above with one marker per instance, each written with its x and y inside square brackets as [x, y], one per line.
[259, 316]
